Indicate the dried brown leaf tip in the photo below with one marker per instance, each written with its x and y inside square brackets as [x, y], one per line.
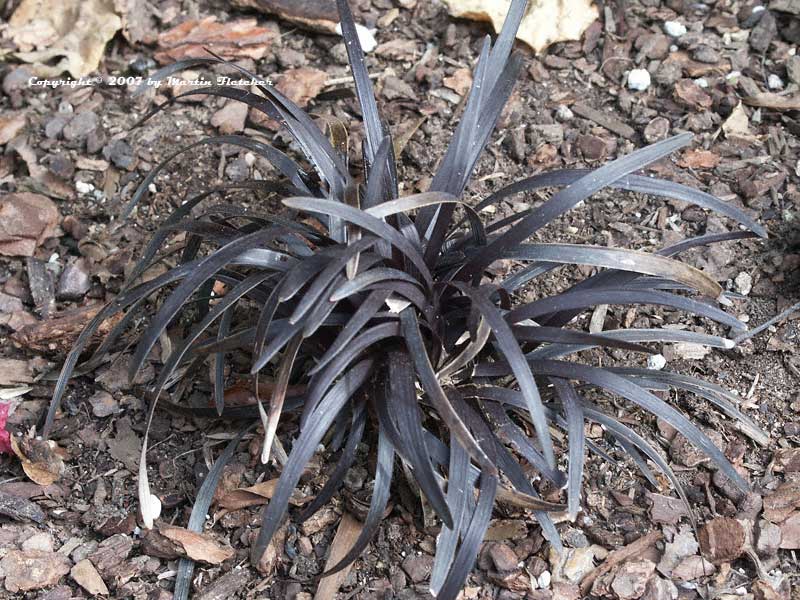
[403, 322]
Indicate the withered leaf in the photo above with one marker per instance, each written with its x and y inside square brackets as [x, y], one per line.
[40, 459]
[197, 546]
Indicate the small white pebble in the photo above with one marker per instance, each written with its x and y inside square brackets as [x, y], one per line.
[250, 159]
[656, 362]
[774, 82]
[674, 29]
[673, 48]
[563, 113]
[743, 283]
[83, 187]
[152, 188]
[701, 82]
[366, 37]
[639, 79]
[757, 9]
[544, 580]
[733, 75]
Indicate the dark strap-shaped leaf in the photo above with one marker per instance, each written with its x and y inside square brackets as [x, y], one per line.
[303, 449]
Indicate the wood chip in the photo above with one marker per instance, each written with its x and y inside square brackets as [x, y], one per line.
[316, 15]
[58, 334]
[346, 535]
[774, 101]
[26, 221]
[32, 569]
[722, 540]
[13, 372]
[232, 40]
[20, 509]
[86, 576]
[604, 120]
[617, 557]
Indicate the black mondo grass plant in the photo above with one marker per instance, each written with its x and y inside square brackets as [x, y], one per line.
[376, 315]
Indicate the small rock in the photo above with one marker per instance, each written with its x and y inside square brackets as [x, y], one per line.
[418, 568]
[83, 188]
[768, 538]
[683, 544]
[141, 65]
[674, 29]
[74, 281]
[656, 362]
[763, 33]
[86, 576]
[16, 80]
[366, 37]
[120, 153]
[60, 165]
[639, 79]
[230, 118]
[578, 563]
[790, 533]
[743, 283]
[503, 557]
[54, 127]
[563, 113]
[660, 589]
[103, 404]
[543, 580]
[354, 478]
[80, 126]
[631, 579]
[705, 54]
[657, 129]
[691, 568]
[41, 542]
[33, 570]
[774, 82]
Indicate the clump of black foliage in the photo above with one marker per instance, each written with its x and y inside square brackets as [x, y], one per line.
[384, 308]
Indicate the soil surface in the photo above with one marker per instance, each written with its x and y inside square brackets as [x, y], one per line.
[76, 154]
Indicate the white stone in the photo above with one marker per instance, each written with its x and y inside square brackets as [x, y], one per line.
[639, 79]
[563, 113]
[701, 82]
[674, 29]
[83, 187]
[42, 542]
[774, 82]
[544, 580]
[743, 283]
[656, 362]
[366, 37]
